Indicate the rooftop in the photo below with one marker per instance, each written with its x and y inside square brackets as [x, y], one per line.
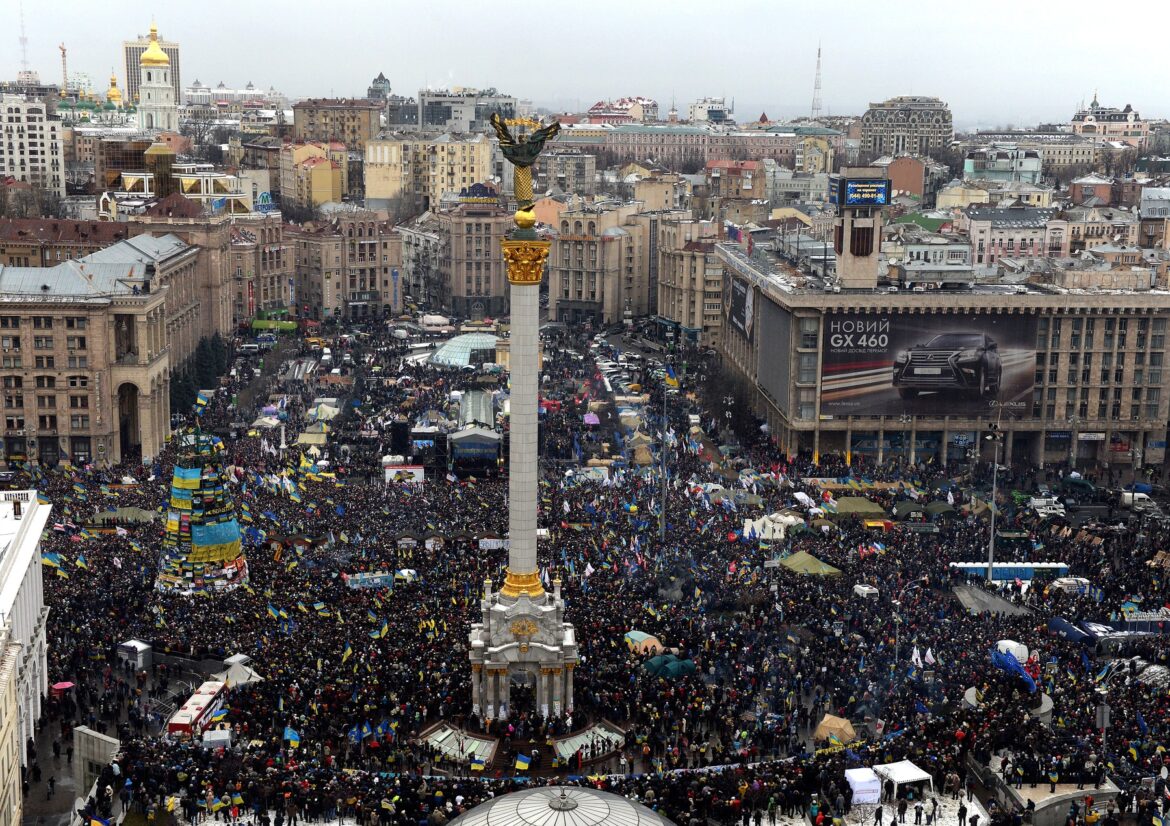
[564, 806]
[50, 231]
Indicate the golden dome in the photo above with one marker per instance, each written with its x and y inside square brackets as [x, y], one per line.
[154, 55]
[114, 94]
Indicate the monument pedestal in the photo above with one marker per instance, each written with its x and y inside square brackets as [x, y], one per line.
[522, 639]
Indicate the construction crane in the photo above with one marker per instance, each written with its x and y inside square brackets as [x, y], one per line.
[64, 71]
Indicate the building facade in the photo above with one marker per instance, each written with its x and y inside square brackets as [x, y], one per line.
[1016, 232]
[31, 148]
[311, 174]
[351, 121]
[1106, 123]
[690, 279]
[462, 109]
[22, 604]
[261, 267]
[596, 270]
[157, 99]
[347, 268]
[1003, 162]
[419, 170]
[909, 123]
[132, 51]
[422, 245]
[473, 282]
[1070, 377]
[569, 171]
[46, 242]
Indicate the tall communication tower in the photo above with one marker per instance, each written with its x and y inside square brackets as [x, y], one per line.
[23, 42]
[816, 101]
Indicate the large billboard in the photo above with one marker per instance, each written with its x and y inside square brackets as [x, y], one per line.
[929, 365]
[740, 303]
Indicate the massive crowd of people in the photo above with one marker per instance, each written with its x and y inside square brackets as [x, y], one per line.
[358, 674]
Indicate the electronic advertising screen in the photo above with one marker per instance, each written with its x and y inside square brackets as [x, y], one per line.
[863, 192]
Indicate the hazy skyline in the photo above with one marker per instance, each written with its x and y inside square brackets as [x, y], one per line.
[994, 62]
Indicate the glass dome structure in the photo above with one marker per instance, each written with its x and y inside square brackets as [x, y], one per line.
[469, 349]
[560, 806]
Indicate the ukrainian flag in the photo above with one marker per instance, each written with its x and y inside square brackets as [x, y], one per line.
[51, 560]
[478, 765]
[272, 612]
[81, 563]
[293, 738]
[347, 653]
[219, 715]
[523, 761]
[671, 377]
[238, 799]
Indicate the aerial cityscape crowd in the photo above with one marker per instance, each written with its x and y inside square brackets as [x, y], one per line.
[368, 459]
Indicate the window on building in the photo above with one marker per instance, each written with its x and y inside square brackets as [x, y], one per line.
[42, 322]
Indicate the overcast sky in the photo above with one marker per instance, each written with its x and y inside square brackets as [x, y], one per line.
[994, 61]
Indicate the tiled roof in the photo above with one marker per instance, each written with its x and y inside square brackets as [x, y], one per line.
[50, 231]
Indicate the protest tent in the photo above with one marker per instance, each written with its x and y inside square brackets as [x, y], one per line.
[903, 773]
[238, 674]
[866, 785]
[656, 665]
[907, 509]
[937, 509]
[835, 726]
[802, 562]
[126, 515]
[859, 506]
[643, 643]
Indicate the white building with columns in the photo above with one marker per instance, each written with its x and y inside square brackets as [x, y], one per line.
[23, 616]
[157, 109]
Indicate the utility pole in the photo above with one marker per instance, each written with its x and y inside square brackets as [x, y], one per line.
[665, 424]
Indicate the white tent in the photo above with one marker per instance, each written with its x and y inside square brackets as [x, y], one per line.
[904, 773]
[238, 674]
[867, 787]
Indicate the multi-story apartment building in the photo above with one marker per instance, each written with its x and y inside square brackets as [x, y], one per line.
[688, 148]
[350, 121]
[1106, 123]
[31, 150]
[1003, 162]
[1085, 228]
[909, 123]
[312, 174]
[473, 281]
[261, 267]
[596, 267]
[46, 242]
[710, 110]
[422, 244]
[1070, 372]
[1017, 232]
[462, 109]
[418, 170]
[132, 51]
[348, 267]
[690, 279]
[565, 170]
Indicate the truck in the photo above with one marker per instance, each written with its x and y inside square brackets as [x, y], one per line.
[1135, 499]
[1046, 507]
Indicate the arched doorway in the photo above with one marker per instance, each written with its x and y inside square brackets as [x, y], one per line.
[129, 425]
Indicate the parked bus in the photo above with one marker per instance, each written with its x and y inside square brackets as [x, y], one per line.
[196, 715]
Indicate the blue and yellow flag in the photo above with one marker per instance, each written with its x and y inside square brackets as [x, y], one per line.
[671, 377]
[293, 738]
[523, 761]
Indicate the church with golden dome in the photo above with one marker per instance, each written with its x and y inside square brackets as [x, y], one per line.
[114, 94]
[157, 107]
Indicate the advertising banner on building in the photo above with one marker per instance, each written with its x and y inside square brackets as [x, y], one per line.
[740, 303]
[927, 365]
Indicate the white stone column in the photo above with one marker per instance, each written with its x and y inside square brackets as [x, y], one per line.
[490, 686]
[505, 695]
[568, 688]
[542, 692]
[476, 676]
[523, 450]
[556, 681]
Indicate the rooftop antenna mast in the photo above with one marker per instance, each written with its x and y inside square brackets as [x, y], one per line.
[23, 41]
[64, 71]
[815, 112]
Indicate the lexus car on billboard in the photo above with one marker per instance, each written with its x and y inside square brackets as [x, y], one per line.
[931, 365]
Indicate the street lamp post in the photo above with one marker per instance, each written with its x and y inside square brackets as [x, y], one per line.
[915, 583]
[995, 437]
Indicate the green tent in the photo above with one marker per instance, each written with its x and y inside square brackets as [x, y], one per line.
[656, 665]
[937, 509]
[908, 509]
[804, 563]
[678, 668]
[278, 326]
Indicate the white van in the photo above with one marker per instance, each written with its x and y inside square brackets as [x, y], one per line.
[249, 349]
[1046, 507]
